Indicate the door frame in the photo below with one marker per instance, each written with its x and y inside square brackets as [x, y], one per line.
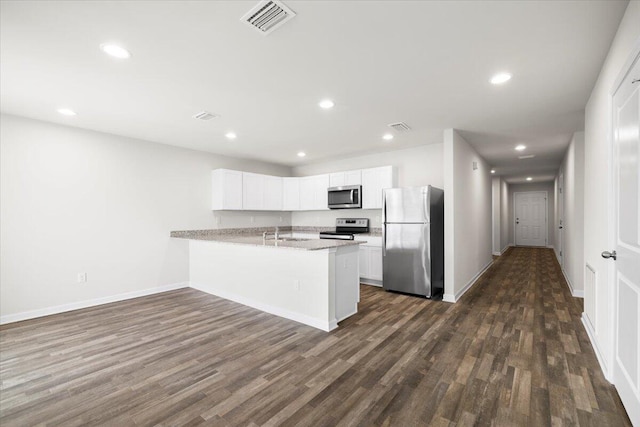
[546, 216]
[612, 304]
[561, 221]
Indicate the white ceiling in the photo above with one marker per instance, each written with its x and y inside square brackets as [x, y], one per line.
[426, 63]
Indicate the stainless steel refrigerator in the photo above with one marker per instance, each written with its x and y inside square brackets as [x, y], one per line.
[413, 240]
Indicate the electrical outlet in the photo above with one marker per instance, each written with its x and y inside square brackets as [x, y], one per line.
[296, 284]
[280, 219]
[252, 219]
[345, 264]
[82, 277]
[218, 220]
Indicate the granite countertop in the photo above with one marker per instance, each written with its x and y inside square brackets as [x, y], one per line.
[253, 237]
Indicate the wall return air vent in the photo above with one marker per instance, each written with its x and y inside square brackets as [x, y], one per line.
[267, 15]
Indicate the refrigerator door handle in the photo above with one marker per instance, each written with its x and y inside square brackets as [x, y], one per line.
[425, 205]
[384, 225]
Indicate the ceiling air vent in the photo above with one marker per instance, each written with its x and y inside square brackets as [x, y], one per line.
[528, 156]
[203, 115]
[268, 15]
[399, 127]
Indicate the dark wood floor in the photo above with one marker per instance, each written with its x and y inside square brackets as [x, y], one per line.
[512, 352]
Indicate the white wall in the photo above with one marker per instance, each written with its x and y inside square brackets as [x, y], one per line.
[597, 178]
[572, 169]
[81, 201]
[468, 234]
[534, 186]
[416, 166]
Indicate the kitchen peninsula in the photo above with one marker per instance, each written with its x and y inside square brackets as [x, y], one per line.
[311, 281]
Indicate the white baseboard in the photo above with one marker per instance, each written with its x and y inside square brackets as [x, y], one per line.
[453, 298]
[596, 349]
[578, 293]
[496, 253]
[287, 314]
[32, 314]
[505, 248]
[371, 282]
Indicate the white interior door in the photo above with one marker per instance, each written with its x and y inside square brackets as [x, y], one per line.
[626, 173]
[530, 218]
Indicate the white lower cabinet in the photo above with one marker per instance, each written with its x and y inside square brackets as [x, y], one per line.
[370, 260]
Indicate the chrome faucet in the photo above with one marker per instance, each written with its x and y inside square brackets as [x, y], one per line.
[276, 235]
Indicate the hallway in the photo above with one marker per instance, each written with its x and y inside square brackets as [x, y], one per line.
[511, 352]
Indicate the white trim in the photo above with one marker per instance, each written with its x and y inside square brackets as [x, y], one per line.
[596, 349]
[546, 214]
[371, 282]
[32, 314]
[506, 247]
[578, 293]
[267, 308]
[453, 298]
[496, 253]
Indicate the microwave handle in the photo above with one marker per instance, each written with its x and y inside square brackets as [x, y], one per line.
[351, 197]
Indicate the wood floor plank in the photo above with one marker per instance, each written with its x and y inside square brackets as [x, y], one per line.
[511, 352]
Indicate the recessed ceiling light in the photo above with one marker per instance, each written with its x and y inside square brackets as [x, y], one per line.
[529, 178]
[528, 156]
[231, 135]
[387, 137]
[520, 147]
[301, 154]
[66, 112]
[115, 50]
[326, 104]
[493, 171]
[500, 78]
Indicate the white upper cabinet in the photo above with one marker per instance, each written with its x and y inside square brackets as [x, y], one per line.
[374, 180]
[261, 192]
[272, 200]
[313, 192]
[321, 196]
[235, 190]
[252, 191]
[340, 179]
[226, 190]
[290, 194]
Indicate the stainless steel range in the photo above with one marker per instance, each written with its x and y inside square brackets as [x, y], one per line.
[346, 228]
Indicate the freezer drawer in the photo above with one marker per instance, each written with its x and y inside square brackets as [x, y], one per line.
[407, 259]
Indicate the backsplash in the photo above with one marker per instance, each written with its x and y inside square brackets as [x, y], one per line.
[249, 219]
[328, 218]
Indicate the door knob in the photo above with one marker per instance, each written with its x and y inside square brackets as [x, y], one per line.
[607, 255]
[560, 227]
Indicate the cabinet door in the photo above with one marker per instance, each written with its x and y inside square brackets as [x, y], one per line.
[226, 189]
[363, 258]
[375, 263]
[252, 191]
[353, 178]
[370, 186]
[336, 179]
[321, 200]
[307, 193]
[290, 194]
[374, 180]
[272, 197]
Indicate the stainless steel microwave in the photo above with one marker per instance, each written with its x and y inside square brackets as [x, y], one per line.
[345, 197]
